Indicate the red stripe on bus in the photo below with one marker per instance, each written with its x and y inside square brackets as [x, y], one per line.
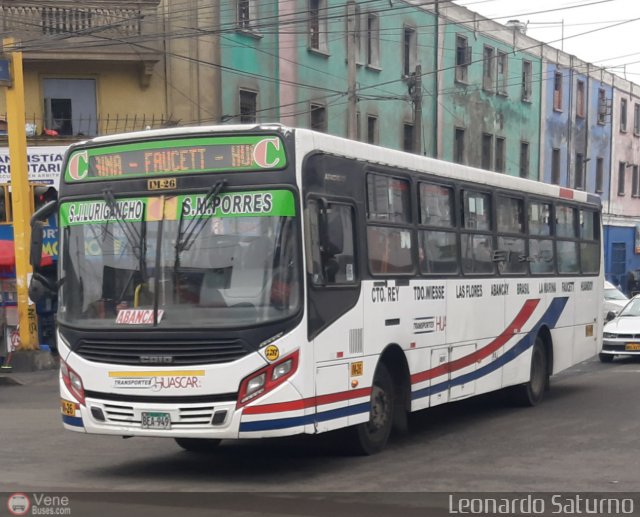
[295, 405]
[514, 327]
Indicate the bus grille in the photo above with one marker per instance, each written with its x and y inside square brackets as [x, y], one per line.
[162, 353]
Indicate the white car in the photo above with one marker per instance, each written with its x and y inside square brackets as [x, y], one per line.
[614, 300]
[621, 335]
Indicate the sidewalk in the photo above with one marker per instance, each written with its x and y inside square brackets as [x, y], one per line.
[29, 361]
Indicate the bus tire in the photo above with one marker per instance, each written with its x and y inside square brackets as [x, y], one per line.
[201, 445]
[531, 393]
[372, 436]
[605, 358]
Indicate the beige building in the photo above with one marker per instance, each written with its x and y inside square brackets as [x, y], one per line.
[100, 67]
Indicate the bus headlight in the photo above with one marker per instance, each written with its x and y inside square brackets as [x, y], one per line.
[266, 379]
[72, 381]
[609, 335]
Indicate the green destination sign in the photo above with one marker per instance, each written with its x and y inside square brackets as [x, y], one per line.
[275, 203]
[177, 157]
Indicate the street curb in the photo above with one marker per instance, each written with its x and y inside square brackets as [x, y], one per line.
[8, 380]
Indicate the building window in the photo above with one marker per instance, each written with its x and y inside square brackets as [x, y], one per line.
[458, 146]
[372, 129]
[579, 171]
[555, 166]
[599, 175]
[487, 149]
[318, 117]
[602, 106]
[248, 106]
[635, 186]
[502, 66]
[373, 40]
[500, 154]
[463, 58]
[488, 68]
[527, 72]
[636, 119]
[70, 106]
[622, 166]
[557, 91]
[580, 99]
[246, 14]
[524, 159]
[318, 25]
[623, 115]
[409, 52]
[407, 137]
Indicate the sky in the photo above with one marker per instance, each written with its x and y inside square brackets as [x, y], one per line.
[613, 26]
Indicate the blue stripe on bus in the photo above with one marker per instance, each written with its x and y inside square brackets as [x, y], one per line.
[72, 420]
[283, 423]
[549, 318]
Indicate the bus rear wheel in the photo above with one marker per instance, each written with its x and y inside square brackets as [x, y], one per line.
[202, 445]
[372, 436]
[531, 393]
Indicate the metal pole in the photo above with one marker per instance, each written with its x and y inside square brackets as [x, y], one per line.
[21, 205]
[417, 111]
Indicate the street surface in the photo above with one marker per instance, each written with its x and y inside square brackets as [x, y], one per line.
[583, 438]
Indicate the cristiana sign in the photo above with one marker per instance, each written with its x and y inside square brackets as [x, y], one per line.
[44, 163]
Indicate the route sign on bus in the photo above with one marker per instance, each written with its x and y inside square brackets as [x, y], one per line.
[176, 157]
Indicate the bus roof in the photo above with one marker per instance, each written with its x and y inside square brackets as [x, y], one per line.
[308, 141]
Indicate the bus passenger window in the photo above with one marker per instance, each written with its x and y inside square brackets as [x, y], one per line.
[438, 253]
[477, 254]
[389, 250]
[541, 256]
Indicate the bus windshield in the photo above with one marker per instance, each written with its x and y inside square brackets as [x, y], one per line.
[196, 261]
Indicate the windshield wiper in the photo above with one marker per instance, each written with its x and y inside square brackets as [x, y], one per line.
[196, 223]
[136, 239]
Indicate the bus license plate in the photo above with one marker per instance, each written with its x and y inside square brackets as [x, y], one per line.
[632, 346]
[156, 421]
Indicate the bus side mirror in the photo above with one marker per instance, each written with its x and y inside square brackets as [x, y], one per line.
[41, 288]
[610, 316]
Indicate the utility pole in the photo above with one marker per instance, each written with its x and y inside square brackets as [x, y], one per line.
[416, 97]
[352, 122]
[21, 205]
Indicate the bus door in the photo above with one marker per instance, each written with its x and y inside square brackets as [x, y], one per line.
[335, 311]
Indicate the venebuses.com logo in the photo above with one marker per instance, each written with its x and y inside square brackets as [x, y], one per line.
[18, 504]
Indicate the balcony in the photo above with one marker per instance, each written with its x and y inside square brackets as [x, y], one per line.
[94, 30]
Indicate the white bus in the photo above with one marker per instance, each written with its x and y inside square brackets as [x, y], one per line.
[259, 281]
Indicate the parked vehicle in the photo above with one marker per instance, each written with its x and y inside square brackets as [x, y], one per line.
[614, 299]
[622, 334]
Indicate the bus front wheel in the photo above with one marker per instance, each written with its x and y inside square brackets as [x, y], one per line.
[371, 437]
[202, 445]
[531, 393]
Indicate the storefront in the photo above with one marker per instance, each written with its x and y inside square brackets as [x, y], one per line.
[45, 165]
